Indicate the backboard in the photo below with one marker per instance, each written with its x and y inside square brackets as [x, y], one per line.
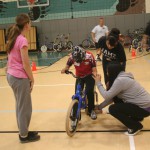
[32, 3]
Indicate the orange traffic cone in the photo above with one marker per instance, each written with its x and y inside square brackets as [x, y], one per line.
[33, 66]
[133, 52]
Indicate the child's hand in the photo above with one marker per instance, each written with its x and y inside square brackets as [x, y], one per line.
[63, 70]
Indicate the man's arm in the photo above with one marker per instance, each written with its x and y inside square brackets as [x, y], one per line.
[93, 37]
[107, 32]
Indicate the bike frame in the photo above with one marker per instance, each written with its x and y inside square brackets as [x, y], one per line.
[79, 95]
[81, 98]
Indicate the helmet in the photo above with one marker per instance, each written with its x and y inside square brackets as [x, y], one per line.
[78, 54]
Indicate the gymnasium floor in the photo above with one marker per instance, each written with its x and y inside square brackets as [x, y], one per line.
[51, 97]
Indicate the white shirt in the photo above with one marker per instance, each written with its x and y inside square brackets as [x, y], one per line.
[100, 31]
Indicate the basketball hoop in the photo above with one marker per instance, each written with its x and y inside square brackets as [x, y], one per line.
[30, 3]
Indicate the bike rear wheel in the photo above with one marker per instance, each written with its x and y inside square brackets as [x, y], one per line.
[86, 44]
[72, 119]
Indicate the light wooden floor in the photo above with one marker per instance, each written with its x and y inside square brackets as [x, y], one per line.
[51, 97]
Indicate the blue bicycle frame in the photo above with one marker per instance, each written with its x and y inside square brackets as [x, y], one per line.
[80, 95]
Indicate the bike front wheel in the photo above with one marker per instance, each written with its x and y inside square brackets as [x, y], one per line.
[140, 49]
[72, 119]
[57, 47]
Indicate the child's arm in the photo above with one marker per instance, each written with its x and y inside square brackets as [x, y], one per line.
[64, 69]
[94, 71]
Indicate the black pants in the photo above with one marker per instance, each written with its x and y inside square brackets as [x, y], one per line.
[89, 83]
[129, 114]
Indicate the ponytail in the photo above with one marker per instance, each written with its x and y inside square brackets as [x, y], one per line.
[12, 35]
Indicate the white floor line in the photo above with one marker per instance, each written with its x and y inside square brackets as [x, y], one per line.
[55, 85]
[38, 110]
[3, 87]
[131, 141]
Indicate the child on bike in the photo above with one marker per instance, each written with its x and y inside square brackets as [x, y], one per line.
[85, 66]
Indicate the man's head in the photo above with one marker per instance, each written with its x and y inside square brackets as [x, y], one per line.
[101, 22]
[78, 54]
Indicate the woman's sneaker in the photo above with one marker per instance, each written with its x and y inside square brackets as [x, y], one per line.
[32, 133]
[32, 137]
[131, 132]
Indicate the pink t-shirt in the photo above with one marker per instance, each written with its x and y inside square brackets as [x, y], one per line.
[15, 64]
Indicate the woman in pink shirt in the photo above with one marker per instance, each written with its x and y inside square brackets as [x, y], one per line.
[20, 77]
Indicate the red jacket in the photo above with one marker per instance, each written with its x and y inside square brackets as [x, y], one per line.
[85, 67]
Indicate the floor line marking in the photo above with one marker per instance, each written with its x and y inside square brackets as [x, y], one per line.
[85, 131]
[44, 85]
[131, 141]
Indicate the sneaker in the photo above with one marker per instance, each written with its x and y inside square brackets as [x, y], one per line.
[93, 115]
[32, 137]
[138, 119]
[132, 132]
[98, 58]
[32, 133]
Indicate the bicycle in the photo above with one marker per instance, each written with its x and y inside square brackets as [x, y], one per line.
[129, 39]
[88, 43]
[47, 45]
[62, 42]
[139, 47]
[79, 102]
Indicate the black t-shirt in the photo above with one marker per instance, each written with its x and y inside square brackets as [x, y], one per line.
[115, 54]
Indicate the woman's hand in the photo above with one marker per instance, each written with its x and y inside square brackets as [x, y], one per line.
[31, 85]
[97, 77]
[97, 110]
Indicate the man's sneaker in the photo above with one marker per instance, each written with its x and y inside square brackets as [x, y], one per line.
[98, 59]
[32, 137]
[138, 119]
[93, 115]
[131, 132]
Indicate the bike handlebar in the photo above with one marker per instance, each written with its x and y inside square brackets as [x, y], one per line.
[70, 72]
